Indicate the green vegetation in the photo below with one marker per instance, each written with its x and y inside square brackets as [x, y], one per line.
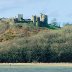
[22, 43]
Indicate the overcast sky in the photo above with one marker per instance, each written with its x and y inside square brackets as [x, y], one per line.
[59, 9]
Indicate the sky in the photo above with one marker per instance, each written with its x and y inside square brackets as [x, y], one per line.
[59, 9]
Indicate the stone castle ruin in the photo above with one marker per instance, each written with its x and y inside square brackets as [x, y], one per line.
[20, 17]
[41, 21]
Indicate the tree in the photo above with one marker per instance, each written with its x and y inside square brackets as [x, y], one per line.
[54, 23]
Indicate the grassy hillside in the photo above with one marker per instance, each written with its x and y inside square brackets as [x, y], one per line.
[35, 44]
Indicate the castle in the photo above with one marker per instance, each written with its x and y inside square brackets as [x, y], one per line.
[41, 21]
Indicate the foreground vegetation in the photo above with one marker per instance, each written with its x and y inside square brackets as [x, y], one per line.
[31, 44]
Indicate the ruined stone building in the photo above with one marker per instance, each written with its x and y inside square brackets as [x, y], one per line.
[20, 17]
[41, 21]
[34, 20]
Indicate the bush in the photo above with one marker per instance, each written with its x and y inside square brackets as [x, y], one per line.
[44, 46]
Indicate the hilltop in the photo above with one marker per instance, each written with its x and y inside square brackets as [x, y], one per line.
[21, 42]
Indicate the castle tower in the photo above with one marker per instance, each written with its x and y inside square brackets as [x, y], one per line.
[20, 17]
[37, 21]
[34, 20]
[41, 17]
[44, 19]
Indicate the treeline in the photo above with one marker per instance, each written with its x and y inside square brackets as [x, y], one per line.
[45, 46]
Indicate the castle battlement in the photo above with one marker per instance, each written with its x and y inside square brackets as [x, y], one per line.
[41, 20]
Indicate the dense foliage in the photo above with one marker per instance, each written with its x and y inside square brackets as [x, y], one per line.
[30, 44]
